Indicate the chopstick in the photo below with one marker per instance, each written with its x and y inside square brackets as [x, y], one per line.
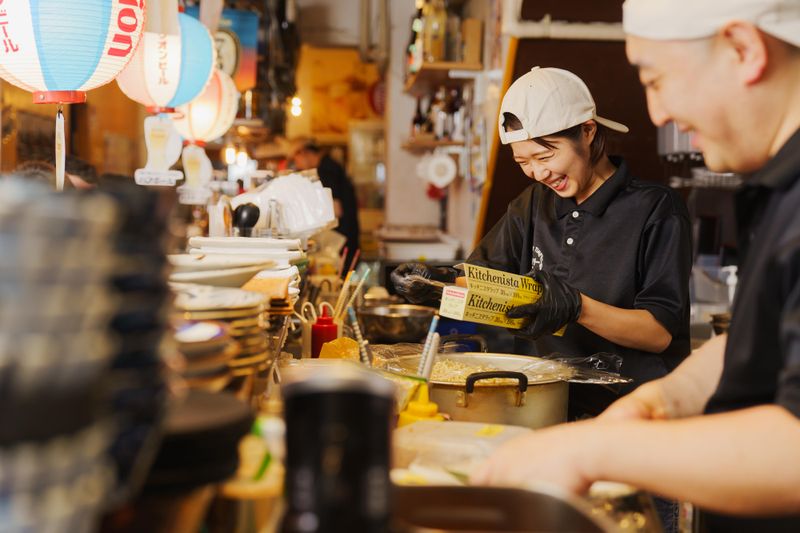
[427, 345]
[342, 259]
[355, 259]
[342, 295]
[362, 348]
[433, 351]
[355, 293]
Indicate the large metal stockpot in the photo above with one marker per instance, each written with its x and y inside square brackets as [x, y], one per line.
[527, 397]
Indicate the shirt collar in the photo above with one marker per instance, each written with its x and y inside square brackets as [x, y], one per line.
[597, 203]
[783, 169]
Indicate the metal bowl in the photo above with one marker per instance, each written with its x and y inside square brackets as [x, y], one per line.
[395, 323]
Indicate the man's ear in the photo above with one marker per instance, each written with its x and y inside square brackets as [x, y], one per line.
[748, 48]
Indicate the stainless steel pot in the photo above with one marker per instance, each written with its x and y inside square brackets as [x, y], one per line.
[529, 401]
[395, 323]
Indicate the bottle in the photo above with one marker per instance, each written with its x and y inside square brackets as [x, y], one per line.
[418, 124]
[435, 30]
[323, 330]
[454, 45]
[338, 449]
[427, 126]
[457, 114]
[438, 114]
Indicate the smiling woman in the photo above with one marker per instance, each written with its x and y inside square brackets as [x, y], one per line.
[564, 149]
[613, 253]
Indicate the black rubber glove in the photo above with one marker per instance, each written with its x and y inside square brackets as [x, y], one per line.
[559, 305]
[416, 290]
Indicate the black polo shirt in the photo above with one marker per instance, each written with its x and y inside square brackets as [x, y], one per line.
[627, 245]
[762, 355]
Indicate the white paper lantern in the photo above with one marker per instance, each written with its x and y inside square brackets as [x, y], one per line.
[204, 119]
[172, 65]
[211, 114]
[59, 50]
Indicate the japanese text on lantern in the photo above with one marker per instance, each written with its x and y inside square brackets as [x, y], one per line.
[8, 43]
[162, 60]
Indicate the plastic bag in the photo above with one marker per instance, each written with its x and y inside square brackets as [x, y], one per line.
[600, 368]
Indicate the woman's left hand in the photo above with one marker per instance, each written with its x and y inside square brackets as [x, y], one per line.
[557, 456]
[559, 305]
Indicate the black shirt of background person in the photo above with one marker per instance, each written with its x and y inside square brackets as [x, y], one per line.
[628, 245]
[333, 176]
[762, 355]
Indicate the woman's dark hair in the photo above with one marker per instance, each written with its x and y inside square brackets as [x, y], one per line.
[597, 149]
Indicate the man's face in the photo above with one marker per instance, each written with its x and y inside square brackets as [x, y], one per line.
[694, 84]
[305, 159]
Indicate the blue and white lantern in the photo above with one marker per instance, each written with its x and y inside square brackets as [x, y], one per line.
[59, 50]
[173, 64]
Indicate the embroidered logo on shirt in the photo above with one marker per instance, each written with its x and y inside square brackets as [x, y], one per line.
[537, 261]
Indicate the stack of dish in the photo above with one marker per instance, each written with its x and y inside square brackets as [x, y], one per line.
[138, 381]
[218, 270]
[54, 356]
[208, 349]
[280, 251]
[243, 312]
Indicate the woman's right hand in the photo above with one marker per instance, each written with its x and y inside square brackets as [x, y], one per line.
[647, 402]
[410, 281]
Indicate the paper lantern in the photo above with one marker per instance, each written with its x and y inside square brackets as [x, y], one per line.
[204, 119]
[59, 50]
[171, 67]
[211, 114]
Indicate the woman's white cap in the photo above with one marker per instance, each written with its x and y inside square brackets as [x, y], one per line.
[663, 20]
[546, 101]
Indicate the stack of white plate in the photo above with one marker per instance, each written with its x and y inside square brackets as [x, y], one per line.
[280, 251]
[218, 269]
[244, 314]
[208, 349]
[235, 261]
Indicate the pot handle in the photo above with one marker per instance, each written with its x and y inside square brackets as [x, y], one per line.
[466, 337]
[469, 386]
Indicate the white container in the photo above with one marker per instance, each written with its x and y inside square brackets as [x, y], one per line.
[446, 249]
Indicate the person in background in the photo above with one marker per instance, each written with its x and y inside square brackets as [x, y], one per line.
[78, 173]
[723, 430]
[306, 155]
[38, 170]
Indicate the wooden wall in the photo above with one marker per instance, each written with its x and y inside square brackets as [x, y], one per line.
[106, 131]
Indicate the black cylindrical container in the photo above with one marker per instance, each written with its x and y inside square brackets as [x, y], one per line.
[338, 437]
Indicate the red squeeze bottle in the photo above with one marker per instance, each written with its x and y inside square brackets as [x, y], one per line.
[323, 330]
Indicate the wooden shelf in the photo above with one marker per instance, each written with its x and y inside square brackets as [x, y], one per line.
[413, 145]
[432, 75]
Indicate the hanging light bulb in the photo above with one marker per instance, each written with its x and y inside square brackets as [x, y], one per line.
[297, 106]
[242, 158]
[230, 154]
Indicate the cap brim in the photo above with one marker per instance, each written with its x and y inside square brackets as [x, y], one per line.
[610, 124]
